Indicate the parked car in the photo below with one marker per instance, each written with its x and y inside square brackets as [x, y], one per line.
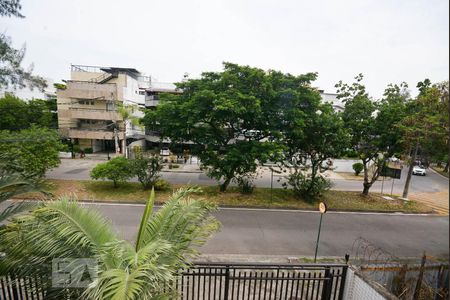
[164, 151]
[419, 170]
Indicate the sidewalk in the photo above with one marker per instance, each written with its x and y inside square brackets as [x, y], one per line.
[438, 201]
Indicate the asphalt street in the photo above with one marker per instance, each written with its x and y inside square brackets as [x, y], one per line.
[433, 182]
[293, 233]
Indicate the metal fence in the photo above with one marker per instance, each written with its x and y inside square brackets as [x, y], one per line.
[230, 282]
[258, 281]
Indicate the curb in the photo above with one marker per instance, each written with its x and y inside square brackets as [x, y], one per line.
[247, 208]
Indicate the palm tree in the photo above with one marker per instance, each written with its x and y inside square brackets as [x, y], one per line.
[165, 243]
[12, 184]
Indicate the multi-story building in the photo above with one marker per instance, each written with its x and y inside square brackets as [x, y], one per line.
[90, 107]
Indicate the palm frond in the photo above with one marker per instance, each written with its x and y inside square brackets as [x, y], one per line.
[54, 229]
[14, 184]
[183, 222]
[15, 208]
[147, 212]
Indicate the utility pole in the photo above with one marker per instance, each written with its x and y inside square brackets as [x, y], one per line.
[410, 170]
[116, 139]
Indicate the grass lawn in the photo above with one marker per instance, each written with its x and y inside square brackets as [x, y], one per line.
[440, 171]
[281, 198]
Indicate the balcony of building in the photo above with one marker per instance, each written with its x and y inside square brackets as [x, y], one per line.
[94, 114]
[92, 133]
[89, 90]
[151, 100]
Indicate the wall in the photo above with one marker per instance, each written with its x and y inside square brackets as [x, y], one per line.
[357, 287]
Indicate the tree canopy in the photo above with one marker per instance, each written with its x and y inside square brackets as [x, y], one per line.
[30, 152]
[18, 114]
[235, 115]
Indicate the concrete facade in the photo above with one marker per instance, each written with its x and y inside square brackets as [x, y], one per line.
[89, 107]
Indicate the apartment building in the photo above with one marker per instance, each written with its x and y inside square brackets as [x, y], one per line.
[89, 107]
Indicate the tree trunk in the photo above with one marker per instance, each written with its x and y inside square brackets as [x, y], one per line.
[446, 168]
[410, 170]
[366, 188]
[224, 185]
[366, 183]
[114, 183]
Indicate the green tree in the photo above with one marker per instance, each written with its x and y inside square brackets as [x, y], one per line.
[118, 170]
[311, 136]
[371, 125]
[13, 110]
[18, 114]
[229, 114]
[10, 8]
[147, 170]
[11, 72]
[166, 242]
[30, 152]
[426, 126]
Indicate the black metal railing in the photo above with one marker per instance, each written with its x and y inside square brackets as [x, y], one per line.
[207, 281]
[259, 281]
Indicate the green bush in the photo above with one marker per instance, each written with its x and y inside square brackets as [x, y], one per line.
[88, 150]
[76, 149]
[161, 185]
[147, 170]
[306, 187]
[117, 169]
[245, 183]
[357, 167]
[351, 153]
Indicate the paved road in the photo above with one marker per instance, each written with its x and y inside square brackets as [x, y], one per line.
[293, 233]
[432, 183]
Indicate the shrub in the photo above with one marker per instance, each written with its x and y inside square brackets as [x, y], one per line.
[117, 169]
[351, 153]
[147, 170]
[245, 183]
[306, 187]
[88, 150]
[76, 148]
[357, 167]
[161, 185]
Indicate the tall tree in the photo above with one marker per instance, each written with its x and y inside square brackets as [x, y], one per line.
[426, 126]
[370, 124]
[12, 74]
[18, 114]
[309, 132]
[10, 8]
[229, 114]
[30, 152]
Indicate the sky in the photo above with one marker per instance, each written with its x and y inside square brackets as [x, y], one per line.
[388, 41]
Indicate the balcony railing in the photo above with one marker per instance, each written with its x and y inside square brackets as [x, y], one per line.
[89, 90]
[94, 114]
[94, 133]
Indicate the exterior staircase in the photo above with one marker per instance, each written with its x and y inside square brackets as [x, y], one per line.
[104, 78]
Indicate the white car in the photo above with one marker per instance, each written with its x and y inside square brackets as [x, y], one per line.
[164, 151]
[419, 170]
